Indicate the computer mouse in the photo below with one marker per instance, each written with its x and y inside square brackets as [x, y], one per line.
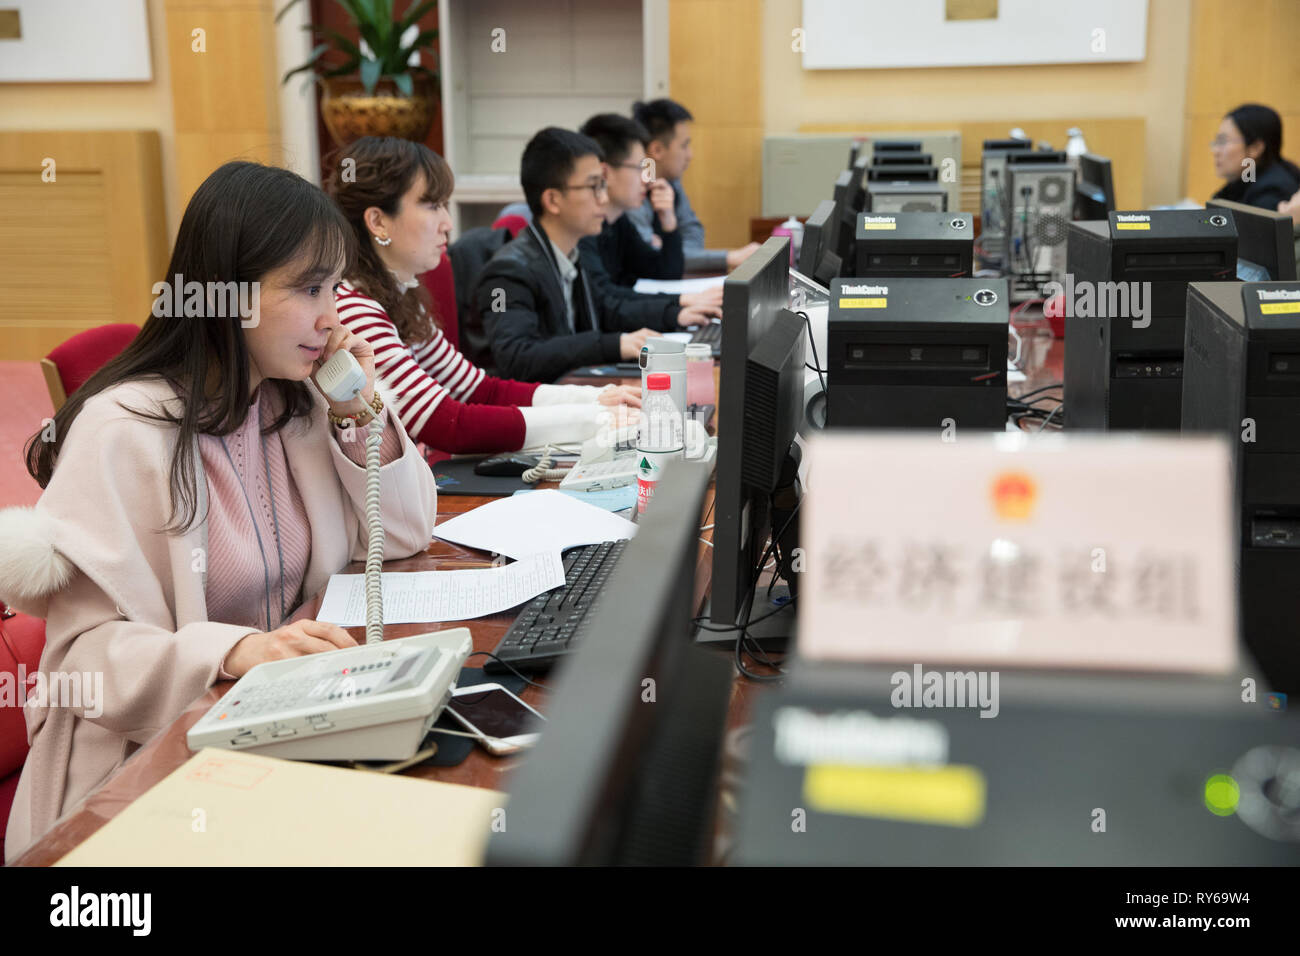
[505, 466]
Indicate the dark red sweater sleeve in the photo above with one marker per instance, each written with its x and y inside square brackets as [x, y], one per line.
[502, 391]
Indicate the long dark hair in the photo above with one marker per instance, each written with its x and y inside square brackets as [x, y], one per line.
[1261, 124]
[381, 170]
[243, 222]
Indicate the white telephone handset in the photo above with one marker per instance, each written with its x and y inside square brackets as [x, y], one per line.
[341, 378]
[374, 702]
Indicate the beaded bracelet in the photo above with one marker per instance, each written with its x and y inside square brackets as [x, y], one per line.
[349, 421]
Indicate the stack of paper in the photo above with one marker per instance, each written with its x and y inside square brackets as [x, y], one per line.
[230, 809]
[527, 524]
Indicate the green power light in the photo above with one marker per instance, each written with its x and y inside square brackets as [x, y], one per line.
[1221, 795]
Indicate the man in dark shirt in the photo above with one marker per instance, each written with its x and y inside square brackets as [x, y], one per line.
[619, 249]
[668, 125]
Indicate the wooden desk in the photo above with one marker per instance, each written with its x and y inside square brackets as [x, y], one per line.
[167, 751]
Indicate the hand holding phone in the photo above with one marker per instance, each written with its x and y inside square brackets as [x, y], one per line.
[345, 372]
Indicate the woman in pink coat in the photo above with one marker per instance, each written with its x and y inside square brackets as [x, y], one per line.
[197, 489]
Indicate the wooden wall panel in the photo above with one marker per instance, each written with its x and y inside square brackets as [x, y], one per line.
[1240, 53]
[715, 59]
[85, 249]
[224, 100]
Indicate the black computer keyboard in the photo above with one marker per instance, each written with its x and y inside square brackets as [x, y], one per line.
[710, 335]
[550, 625]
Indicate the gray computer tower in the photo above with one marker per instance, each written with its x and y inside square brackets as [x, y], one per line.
[993, 197]
[1241, 379]
[1127, 298]
[1039, 206]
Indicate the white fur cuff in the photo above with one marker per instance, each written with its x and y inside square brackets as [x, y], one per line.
[30, 567]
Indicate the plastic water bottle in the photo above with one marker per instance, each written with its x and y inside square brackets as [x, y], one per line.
[659, 438]
[793, 228]
[1075, 146]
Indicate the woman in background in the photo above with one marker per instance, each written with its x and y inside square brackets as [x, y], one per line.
[394, 194]
[1253, 132]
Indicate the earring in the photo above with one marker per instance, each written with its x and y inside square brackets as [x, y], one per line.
[384, 242]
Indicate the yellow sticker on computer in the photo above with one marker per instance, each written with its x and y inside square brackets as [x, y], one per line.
[1278, 308]
[1133, 225]
[880, 225]
[949, 795]
[863, 303]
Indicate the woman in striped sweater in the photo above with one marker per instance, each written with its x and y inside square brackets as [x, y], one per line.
[394, 193]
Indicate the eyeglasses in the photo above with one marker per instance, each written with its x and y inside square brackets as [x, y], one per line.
[597, 187]
[636, 166]
[1219, 142]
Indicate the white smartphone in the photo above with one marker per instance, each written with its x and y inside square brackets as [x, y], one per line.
[502, 722]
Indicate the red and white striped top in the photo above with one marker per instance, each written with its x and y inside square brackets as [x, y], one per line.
[441, 397]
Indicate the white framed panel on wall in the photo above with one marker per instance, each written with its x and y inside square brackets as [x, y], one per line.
[72, 41]
[889, 34]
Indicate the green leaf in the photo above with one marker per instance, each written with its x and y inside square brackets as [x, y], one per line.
[311, 61]
[347, 69]
[404, 83]
[415, 13]
[423, 41]
[341, 42]
[356, 10]
[370, 70]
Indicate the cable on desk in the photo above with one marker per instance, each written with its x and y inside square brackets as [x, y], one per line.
[544, 470]
[1051, 416]
[508, 666]
[1045, 388]
[817, 362]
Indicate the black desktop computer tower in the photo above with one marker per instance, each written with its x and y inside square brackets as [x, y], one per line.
[1124, 371]
[1241, 379]
[915, 245]
[914, 353]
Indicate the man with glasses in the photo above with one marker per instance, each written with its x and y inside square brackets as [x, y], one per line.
[619, 256]
[541, 314]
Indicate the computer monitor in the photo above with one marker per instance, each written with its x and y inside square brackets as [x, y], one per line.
[760, 406]
[1094, 188]
[626, 767]
[850, 195]
[1264, 242]
[815, 232]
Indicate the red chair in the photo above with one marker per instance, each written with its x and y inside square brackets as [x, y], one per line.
[516, 224]
[70, 364]
[22, 639]
[441, 283]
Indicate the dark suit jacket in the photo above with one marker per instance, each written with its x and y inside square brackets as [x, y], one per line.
[520, 310]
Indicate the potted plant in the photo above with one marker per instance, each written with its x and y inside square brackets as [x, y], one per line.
[376, 88]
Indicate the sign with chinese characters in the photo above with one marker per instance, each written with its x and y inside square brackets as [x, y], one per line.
[1077, 551]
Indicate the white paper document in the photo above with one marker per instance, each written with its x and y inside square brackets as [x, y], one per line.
[678, 286]
[428, 597]
[540, 521]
